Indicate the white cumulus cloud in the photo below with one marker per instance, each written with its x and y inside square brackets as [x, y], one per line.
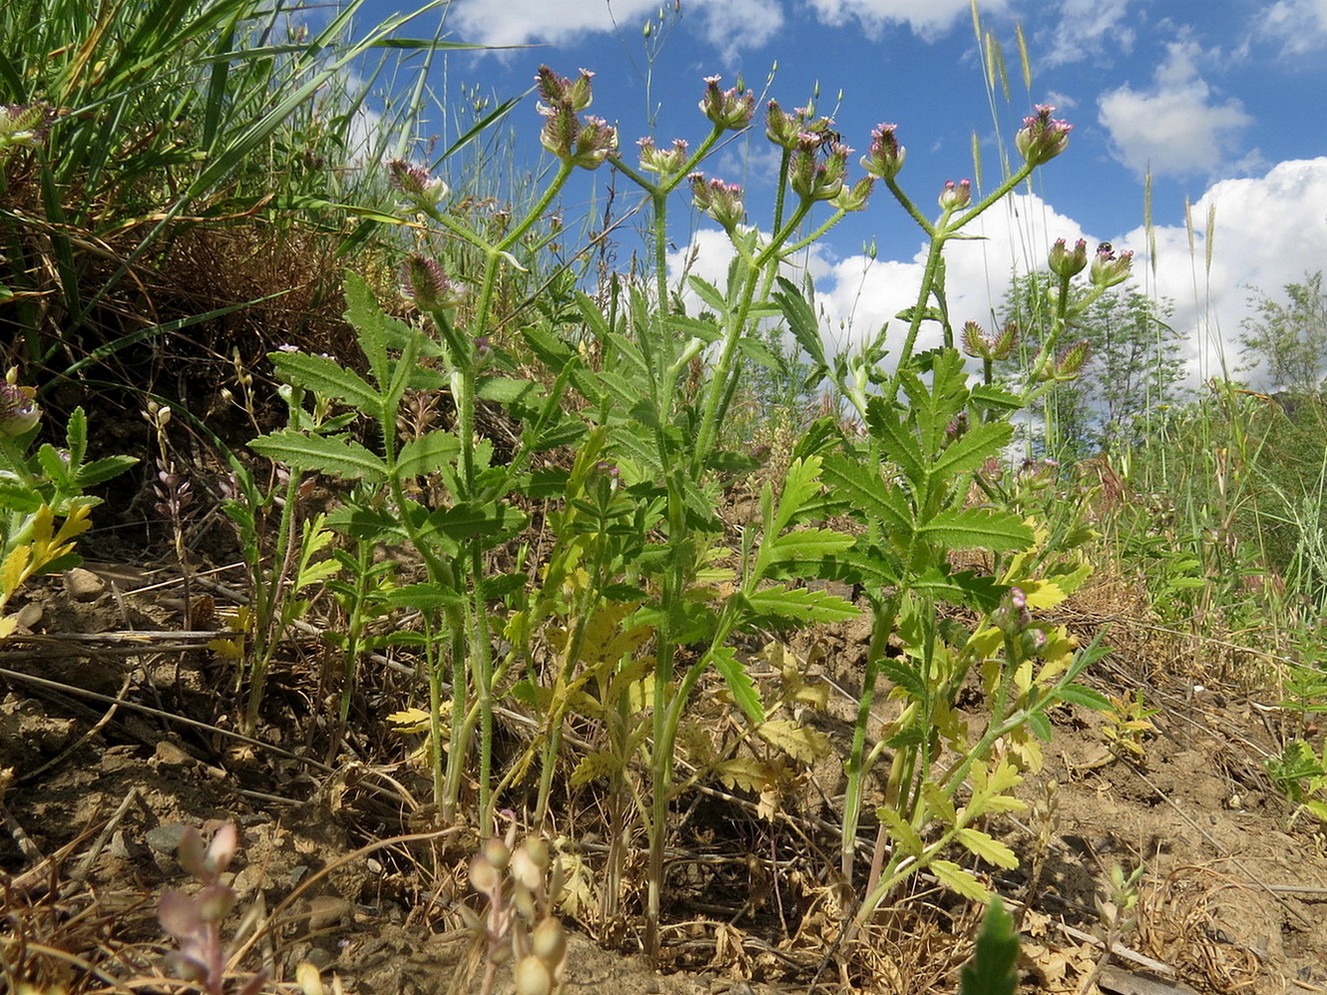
[1086, 29]
[1298, 26]
[1267, 231]
[1178, 127]
[926, 18]
[727, 24]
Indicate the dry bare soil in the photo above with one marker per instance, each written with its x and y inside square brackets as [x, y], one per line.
[1233, 898]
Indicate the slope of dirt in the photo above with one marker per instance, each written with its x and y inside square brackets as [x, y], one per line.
[1233, 896]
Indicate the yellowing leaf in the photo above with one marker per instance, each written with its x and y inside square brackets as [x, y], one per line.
[1042, 593]
[939, 804]
[899, 831]
[7, 625]
[987, 848]
[227, 649]
[409, 720]
[743, 772]
[958, 880]
[696, 743]
[798, 741]
[593, 767]
[14, 571]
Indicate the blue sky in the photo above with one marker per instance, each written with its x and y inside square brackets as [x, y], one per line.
[1223, 102]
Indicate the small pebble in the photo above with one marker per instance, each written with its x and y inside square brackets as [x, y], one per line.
[169, 754]
[165, 838]
[83, 585]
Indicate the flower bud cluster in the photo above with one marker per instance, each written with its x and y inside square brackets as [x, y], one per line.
[424, 282]
[730, 109]
[1109, 269]
[1013, 616]
[814, 178]
[24, 125]
[721, 201]
[1041, 138]
[1065, 263]
[789, 129]
[979, 345]
[522, 885]
[956, 196]
[422, 190]
[885, 157]
[19, 412]
[586, 143]
[664, 163]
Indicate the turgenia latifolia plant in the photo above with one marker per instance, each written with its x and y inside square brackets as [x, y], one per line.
[639, 596]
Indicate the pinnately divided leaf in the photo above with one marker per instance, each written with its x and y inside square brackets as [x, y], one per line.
[977, 528]
[801, 605]
[958, 880]
[798, 741]
[987, 848]
[336, 455]
[328, 378]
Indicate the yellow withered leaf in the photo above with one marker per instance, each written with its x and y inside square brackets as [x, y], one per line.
[743, 772]
[593, 767]
[409, 720]
[798, 741]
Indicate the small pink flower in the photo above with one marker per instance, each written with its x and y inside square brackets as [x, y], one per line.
[956, 196]
[728, 109]
[1109, 269]
[885, 157]
[1041, 139]
[1065, 263]
[664, 163]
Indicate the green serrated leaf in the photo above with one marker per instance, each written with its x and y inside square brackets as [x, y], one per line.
[740, 685]
[328, 378]
[423, 597]
[987, 848]
[866, 491]
[938, 804]
[900, 831]
[958, 880]
[977, 528]
[1085, 696]
[779, 603]
[899, 443]
[905, 675]
[335, 455]
[431, 452]
[709, 293]
[979, 444]
[802, 322]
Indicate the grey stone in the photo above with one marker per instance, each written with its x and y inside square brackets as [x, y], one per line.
[83, 585]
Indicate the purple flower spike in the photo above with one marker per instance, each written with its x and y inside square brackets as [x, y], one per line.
[424, 282]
